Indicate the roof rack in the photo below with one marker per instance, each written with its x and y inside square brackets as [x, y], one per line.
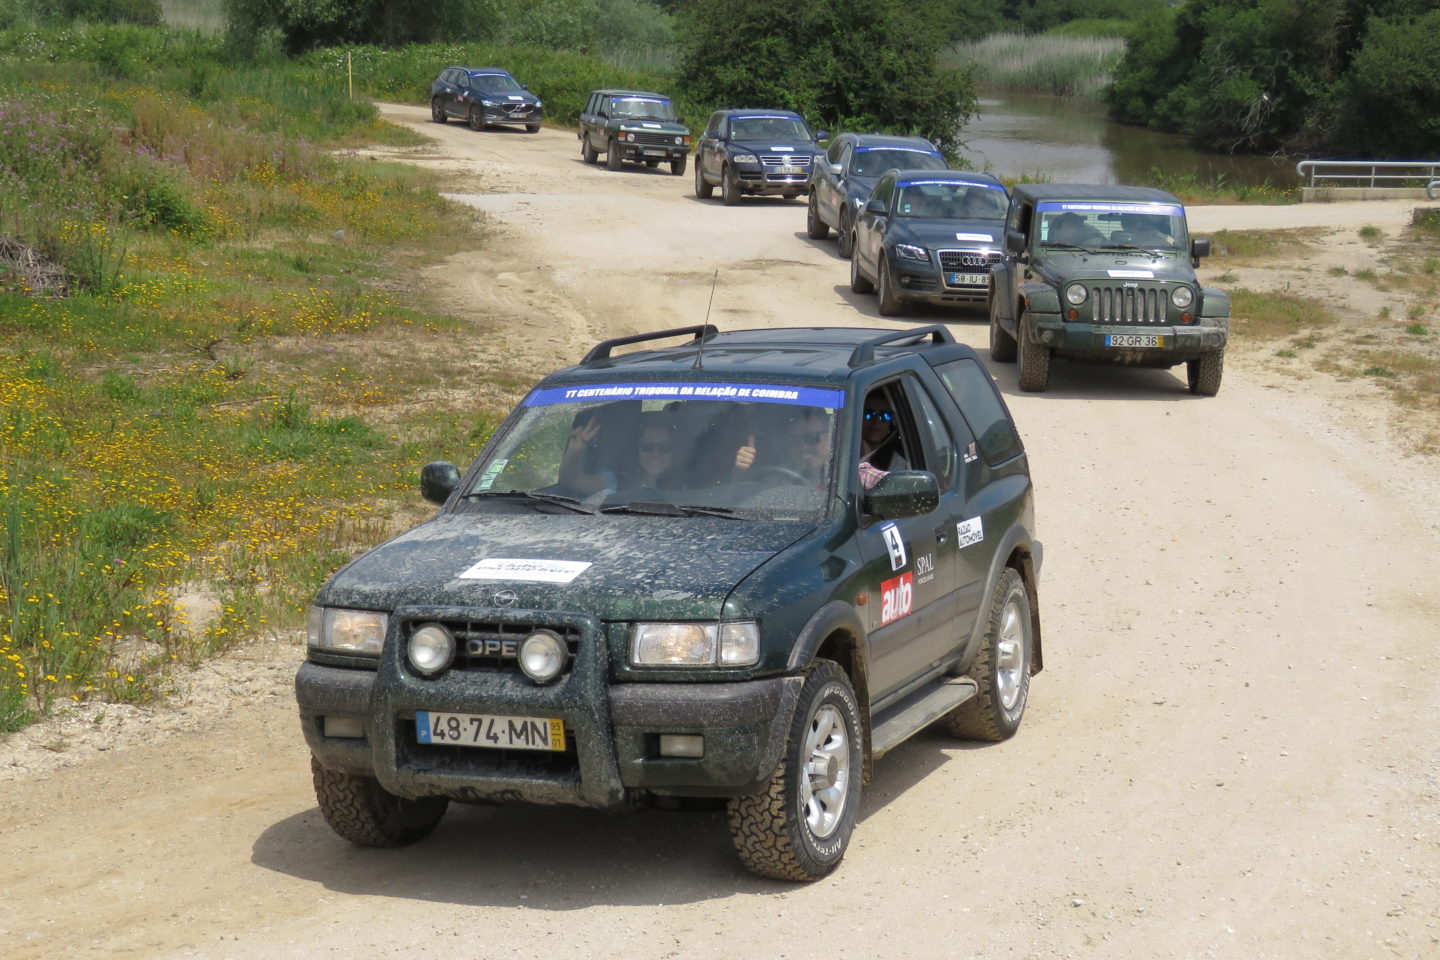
[601, 350]
[864, 353]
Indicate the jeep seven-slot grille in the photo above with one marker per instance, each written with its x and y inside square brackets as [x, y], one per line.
[653, 139]
[481, 645]
[1128, 304]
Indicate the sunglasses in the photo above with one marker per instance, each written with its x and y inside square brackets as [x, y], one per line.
[654, 446]
[884, 416]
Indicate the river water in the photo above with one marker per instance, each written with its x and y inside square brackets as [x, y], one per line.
[1051, 138]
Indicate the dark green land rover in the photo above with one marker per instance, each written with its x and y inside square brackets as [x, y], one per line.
[742, 567]
[1104, 273]
[633, 125]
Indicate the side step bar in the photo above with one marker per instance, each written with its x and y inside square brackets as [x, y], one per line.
[918, 710]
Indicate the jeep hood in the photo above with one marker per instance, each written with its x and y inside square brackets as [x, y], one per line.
[1116, 265]
[612, 567]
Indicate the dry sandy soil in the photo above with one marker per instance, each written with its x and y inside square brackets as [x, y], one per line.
[1232, 751]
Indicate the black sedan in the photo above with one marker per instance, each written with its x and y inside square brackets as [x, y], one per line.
[929, 235]
[482, 96]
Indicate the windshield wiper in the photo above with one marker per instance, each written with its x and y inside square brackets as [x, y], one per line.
[556, 498]
[668, 509]
[1062, 245]
[1129, 246]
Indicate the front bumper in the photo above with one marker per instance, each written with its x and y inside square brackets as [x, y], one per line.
[926, 281]
[524, 114]
[769, 179]
[612, 731]
[1112, 341]
[650, 151]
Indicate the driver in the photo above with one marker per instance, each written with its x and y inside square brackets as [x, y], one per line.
[802, 446]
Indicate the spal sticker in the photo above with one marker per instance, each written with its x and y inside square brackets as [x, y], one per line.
[526, 571]
[969, 532]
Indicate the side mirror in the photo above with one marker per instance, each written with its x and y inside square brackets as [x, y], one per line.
[876, 205]
[602, 115]
[836, 170]
[438, 480]
[680, 120]
[1014, 242]
[1199, 247]
[903, 493]
[822, 135]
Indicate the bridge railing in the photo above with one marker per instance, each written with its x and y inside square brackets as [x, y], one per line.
[1370, 173]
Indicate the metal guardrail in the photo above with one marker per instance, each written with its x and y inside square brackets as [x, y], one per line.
[1369, 173]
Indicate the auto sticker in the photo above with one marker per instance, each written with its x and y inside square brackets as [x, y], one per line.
[925, 566]
[1132, 274]
[968, 532]
[491, 473]
[894, 544]
[897, 598]
[527, 571]
[982, 237]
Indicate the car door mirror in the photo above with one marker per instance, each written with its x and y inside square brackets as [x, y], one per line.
[822, 135]
[438, 480]
[602, 114]
[876, 205]
[1199, 247]
[903, 493]
[836, 170]
[1014, 242]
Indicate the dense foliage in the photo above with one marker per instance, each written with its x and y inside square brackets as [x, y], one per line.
[15, 13]
[847, 64]
[1341, 77]
[972, 19]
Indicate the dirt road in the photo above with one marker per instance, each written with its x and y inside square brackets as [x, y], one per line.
[1232, 751]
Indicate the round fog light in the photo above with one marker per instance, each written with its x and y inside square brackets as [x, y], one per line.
[431, 649]
[542, 656]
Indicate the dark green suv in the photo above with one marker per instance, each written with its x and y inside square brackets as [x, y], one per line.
[743, 567]
[1104, 273]
[633, 125]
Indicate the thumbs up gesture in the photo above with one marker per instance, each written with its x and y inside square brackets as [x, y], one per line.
[745, 456]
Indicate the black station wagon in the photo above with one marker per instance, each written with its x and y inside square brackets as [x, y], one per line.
[484, 95]
[742, 567]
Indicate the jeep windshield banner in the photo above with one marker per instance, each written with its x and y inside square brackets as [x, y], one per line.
[1098, 206]
[950, 183]
[748, 392]
[928, 153]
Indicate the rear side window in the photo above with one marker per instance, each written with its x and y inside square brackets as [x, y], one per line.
[975, 395]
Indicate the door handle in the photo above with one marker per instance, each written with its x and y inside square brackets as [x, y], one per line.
[942, 533]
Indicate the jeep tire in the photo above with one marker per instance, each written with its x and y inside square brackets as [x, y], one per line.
[798, 826]
[1034, 359]
[729, 186]
[815, 228]
[365, 813]
[1204, 373]
[587, 153]
[1002, 345]
[1002, 669]
[677, 166]
[612, 156]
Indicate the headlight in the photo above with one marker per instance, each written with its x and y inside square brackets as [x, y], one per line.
[1076, 294]
[908, 251]
[745, 158]
[539, 104]
[542, 656]
[347, 631]
[486, 103]
[1182, 297]
[733, 644]
[431, 649]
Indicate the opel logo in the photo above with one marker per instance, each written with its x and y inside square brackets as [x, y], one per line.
[506, 598]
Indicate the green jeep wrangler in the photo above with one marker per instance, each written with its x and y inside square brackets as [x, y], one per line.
[737, 569]
[1104, 273]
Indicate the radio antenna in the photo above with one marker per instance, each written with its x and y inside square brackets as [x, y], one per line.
[700, 349]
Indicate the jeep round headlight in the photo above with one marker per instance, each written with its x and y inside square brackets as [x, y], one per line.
[1076, 294]
[679, 140]
[1182, 297]
[542, 656]
[431, 649]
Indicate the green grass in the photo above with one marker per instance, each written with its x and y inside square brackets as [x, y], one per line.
[1066, 66]
[1262, 316]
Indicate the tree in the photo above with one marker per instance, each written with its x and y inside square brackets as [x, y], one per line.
[854, 64]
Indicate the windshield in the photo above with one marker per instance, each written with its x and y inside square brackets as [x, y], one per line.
[642, 108]
[876, 160]
[758, 451]
[768, 128]
[495, 81]
[1148, 226]
[950, 200]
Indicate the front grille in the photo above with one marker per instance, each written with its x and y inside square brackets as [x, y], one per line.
[968, 261]
[482, 645]
[784, 159]
[652, 139]
[1128, 304]
[509, 108]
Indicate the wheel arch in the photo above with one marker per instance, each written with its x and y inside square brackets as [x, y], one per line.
[1020, 552]
[837, 633]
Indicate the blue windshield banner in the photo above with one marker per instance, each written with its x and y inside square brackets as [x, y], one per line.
[744, 392]
[951, 183]
[1106, 206]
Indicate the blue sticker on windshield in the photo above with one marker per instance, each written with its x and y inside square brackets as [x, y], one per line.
[950, 183]
[747, 392]
[1102, 206]
[928, 153]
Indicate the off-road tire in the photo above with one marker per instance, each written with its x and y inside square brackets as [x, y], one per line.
[437, 110]
[677, 167]
[1205, 372]
[704, 189]
[612, 156]
[476, 118]
[729, 186]
[587, 153]
[1034, 359]
[845, 237]
[652, 164]
[859, 283]
[815, 228]
[1002, 670]
[532, 128]
[890, 304]
[1002, 345]
[770, 829]
[365, 813]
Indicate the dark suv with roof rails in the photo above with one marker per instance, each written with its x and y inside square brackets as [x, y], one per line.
[1104, 273]
[633, 125]
[841, 182]
[756, 153]
[482, 96]
[741, 567]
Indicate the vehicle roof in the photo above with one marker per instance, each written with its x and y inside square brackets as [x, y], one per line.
[969, 176]
[805, 354]
[631, 93]
[474, 70]
[1091, 191]
[759, 112]
[886, 140]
